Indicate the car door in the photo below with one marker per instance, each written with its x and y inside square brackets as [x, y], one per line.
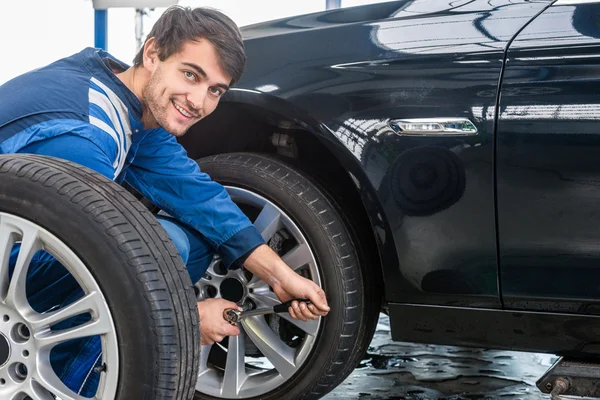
[548, 163]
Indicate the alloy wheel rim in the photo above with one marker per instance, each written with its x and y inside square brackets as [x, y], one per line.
[26, 372]
[240, 375]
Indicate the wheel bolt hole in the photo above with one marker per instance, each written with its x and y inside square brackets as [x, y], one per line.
[2, 381]
[20, 333]
[220, 269]
[210, 292]
[24, 332]
[25, 353]
[247, 274]
[6, 318]
[21, 370]
[18, 372]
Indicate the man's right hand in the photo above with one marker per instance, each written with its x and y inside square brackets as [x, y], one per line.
[213, 327]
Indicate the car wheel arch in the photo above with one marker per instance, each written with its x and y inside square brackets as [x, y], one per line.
[250, 130]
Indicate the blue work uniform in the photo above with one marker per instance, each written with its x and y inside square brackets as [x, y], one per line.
[77, 109]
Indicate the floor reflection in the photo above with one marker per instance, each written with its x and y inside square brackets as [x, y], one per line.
[395, 370]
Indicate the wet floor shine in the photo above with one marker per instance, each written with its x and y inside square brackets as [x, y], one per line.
[396, 370]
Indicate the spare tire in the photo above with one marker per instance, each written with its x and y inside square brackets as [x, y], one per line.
[137, 293]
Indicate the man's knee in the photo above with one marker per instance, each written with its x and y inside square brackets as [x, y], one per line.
[195, 251]
[178, 237]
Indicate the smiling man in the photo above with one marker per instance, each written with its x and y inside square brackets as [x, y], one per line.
[123, 122]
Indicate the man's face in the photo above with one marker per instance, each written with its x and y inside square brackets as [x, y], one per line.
[185, 87]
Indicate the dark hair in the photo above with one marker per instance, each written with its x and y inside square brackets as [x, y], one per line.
[180, 24]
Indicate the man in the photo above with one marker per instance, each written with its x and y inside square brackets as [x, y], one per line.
[123, 122]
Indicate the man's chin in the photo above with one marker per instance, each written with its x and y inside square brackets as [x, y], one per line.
[175, 131]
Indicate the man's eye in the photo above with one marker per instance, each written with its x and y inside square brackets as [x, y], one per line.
[216, 92]
[189, 75]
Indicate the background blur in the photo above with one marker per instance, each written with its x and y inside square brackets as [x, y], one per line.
[34, 33]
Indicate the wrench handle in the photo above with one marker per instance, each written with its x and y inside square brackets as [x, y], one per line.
[283, 307]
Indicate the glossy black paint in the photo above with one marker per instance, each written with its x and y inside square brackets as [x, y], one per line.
[549, 164]
[344, 74]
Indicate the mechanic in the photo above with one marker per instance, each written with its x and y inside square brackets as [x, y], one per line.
[122, 122]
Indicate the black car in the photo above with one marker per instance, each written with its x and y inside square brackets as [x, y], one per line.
[438, 161]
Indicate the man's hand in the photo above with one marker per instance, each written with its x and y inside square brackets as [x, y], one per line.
[213, 327]
[295, 286]
[287, 284]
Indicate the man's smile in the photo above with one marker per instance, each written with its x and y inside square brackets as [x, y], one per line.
[183, 111]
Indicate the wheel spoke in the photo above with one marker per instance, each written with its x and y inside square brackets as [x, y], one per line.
[36, 392]
[49, 381]
[92, 328]
[265, 298]
[239, 275]
[235, 369]
[269, 299]
[16, 296]
[278, 353]
[311, 327]
[298, 257]
[268, 221]
[211, 276]
[7, 240]
[257, 284]
[89, 303]
[204, 353]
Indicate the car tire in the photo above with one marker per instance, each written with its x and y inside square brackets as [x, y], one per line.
[342, 339]
[120, 254]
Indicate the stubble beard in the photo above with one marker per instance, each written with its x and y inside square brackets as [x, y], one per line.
[151, 96]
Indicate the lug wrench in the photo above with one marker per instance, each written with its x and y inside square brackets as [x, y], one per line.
[234, 316]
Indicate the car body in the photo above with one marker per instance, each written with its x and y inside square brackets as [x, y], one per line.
[485, 234]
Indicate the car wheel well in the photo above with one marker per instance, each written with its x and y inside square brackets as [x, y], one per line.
[244, 128]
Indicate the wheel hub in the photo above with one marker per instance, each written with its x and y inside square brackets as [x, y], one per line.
[233, 290]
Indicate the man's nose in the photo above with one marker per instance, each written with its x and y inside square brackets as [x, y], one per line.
[196, 99]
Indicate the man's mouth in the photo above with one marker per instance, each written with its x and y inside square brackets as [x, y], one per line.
[182, 110]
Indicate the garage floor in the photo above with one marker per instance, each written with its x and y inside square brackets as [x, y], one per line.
[395, 370]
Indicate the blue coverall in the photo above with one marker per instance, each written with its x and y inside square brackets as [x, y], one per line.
[77, 109]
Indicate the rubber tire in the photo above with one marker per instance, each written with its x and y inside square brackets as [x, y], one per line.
[131, 257]
[341, 342]
[372, 279]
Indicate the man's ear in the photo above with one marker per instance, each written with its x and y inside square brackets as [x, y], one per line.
[150, 59]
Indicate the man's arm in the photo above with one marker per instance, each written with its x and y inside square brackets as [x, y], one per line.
[162, 171]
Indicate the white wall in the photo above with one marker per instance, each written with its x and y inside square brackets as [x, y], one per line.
[34, 33]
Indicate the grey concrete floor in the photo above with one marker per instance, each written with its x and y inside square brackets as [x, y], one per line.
[396, 370]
